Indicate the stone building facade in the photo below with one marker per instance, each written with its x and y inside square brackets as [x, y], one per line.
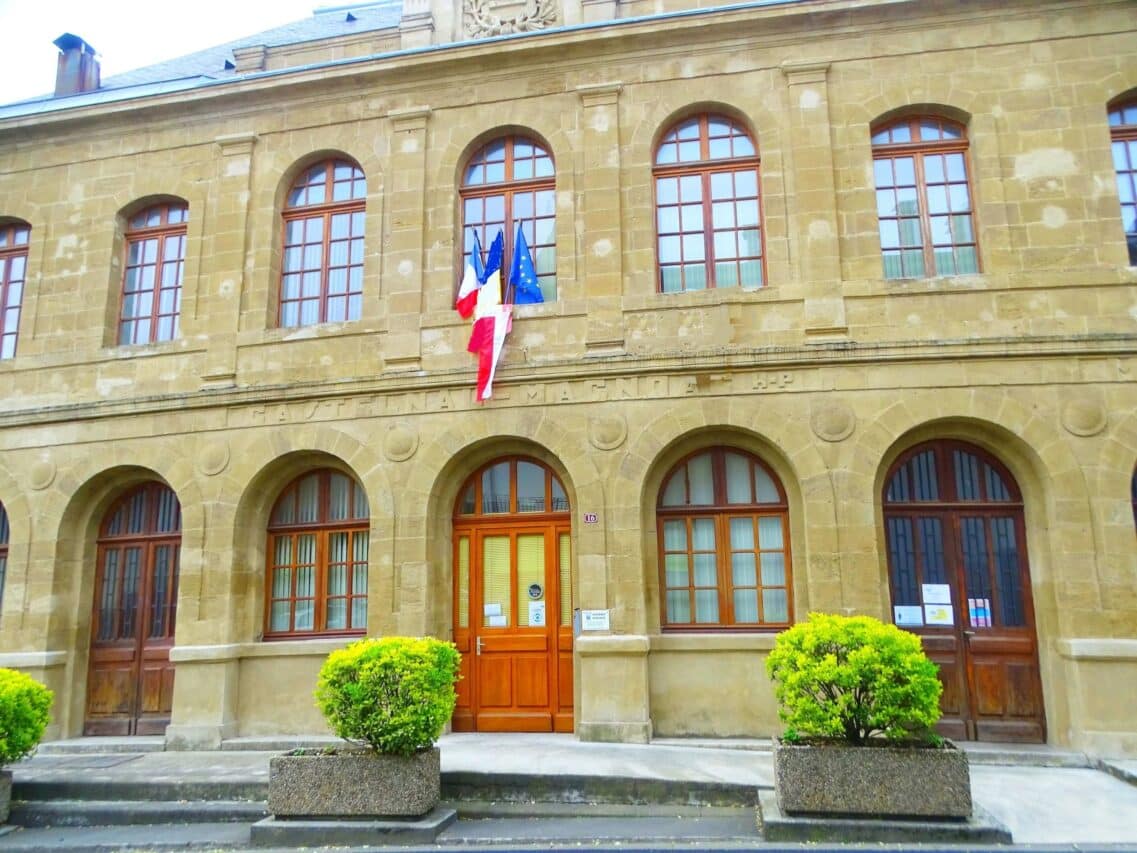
[839, 316]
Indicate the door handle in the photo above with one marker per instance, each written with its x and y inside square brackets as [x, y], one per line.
[969, 633]
[478, 644]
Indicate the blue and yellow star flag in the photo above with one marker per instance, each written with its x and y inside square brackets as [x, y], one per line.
[522, 275]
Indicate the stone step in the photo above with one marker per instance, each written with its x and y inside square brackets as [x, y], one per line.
[74, 813]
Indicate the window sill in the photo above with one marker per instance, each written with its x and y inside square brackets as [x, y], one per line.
[714, 642]
[314, 647]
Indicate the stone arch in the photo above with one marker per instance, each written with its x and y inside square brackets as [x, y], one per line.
[942, 110]
[14, 592]
[804, 475]
[1111, 479]
[443, 463]
[267, 467]
[446, 163]
[1037, 456]
[88, 490]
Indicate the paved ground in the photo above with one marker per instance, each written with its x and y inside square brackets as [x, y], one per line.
[1048, 798]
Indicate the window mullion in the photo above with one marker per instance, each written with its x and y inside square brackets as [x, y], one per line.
[326, 264]
[722, 556]
[708, 226]
[925, 216]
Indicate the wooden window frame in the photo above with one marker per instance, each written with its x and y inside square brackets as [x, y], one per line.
[918, 150]
[1132, 495]
[949, 508]
[508, 189]
[161, 234]
[322, 529]
[16, 237]
[722, 513]
[703, 168]
[324, 211]
[1126, 132]
[512, 514]
[149, 538]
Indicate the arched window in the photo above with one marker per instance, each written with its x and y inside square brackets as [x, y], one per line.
[724, 545]
[317, 557]
[510, 182]
[152, 278]
[13, 269]
[708, 215]
[322, 270]
[3, 551]
[1123, 134]
[923, 198]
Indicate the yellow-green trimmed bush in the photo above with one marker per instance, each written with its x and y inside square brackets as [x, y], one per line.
[394, 694]
[25, 707]
[854, 677]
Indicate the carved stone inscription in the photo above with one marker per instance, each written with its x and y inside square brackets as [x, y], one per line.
[529, 394]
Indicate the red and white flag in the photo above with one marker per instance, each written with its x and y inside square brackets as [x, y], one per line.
[487, 341]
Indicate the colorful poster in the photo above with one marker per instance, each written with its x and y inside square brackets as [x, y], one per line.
[979, 612]
[938, 614]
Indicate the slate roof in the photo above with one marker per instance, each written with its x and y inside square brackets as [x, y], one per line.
[209, 65]
[325, 23]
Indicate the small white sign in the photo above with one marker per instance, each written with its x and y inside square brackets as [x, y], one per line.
[936, 593]
[491, 609]
[590, 518]
[537, 613]
[594, 620]
[497, 621]
[908, 614]
[938, 614]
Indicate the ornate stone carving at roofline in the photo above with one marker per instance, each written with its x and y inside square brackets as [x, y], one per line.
[502, 17]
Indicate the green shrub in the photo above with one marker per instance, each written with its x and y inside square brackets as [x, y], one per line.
[394, 694]
[24, 711]
[854, 677]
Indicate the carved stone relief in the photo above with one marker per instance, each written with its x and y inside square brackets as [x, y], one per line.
[502, 17]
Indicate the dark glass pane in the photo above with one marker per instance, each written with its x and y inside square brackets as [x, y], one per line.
[932, 550]
[560, 499]
[996, 489]
[905, 584]
[530, 487]
[158, 591]
[966, 475]
[977, 571]
[130, 584]
[1007, 581]
[898, 486]
[466, 507]
[4, 531]
[495, 488]
[107, 607]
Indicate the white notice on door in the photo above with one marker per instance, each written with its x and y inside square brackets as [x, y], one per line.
[936, 593]
[536, 613]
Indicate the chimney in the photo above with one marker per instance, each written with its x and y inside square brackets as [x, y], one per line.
[78, 69]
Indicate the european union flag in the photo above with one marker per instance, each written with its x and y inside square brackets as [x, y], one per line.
[522, 275]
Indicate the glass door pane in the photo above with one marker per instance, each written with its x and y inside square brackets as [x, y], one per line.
[530, 578]
[496, 573]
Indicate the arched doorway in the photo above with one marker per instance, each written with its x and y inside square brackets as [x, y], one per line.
[960, 578]
[513, 600]
[130, 680]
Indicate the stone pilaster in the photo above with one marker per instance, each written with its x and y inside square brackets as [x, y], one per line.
[223, 267]
[600, 191]
[812, 197]
[403, 256]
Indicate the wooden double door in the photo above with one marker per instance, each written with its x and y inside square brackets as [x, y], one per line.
[513, 608]
[960, 578]
[130, 680]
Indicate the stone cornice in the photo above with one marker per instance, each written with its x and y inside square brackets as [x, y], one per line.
[721, 362]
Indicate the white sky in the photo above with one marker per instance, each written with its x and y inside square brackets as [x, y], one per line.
[126, 34]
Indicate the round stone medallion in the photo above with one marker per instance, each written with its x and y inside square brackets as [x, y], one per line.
[400, 444]
[42, 474]
[213, 459]
[607, 433]
[1084, 416]
[833, 421]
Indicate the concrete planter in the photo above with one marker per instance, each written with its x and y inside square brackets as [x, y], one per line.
[876, 781]
[354, 784]
[5, 794]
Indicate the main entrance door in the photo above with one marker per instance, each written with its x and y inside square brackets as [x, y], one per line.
[513, 600]
[960, 578]
[130, 680]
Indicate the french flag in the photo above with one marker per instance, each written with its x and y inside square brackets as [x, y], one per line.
[492, 321]
[471, 281]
